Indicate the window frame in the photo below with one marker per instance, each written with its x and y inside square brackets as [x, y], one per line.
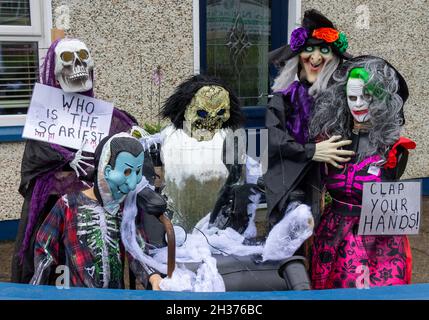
[255, 115]
[35, 29]
[11, 126]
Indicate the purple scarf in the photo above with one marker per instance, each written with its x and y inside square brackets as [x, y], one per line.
[301, 102]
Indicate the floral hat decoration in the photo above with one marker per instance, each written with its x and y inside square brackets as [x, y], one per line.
[316, 29]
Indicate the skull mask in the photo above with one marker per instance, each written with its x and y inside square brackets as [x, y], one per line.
[73, 66]
[208, 111]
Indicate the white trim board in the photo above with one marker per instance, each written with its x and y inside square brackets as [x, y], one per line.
[196, 34]
[13, 120]
[294, 18]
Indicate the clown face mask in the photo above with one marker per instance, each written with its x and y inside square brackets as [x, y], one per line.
[126, 174]
[73, 66]
[358, 100]
[312, 61]
[208, 111]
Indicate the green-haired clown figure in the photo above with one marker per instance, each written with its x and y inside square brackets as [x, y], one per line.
[364, 103]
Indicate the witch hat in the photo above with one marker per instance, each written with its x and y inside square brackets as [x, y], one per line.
[316, 29]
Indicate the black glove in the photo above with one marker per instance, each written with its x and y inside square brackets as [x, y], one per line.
[151, 202]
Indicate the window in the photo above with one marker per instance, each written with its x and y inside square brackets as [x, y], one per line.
[235, 38]
[15, 13]
[24, 25]
[18, 73]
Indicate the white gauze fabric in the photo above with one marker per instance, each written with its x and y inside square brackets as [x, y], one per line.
[206, 279]
[253, 172]
[289, 234]
[282, 242]
[128, 230]
[184, 157]
[205, 241]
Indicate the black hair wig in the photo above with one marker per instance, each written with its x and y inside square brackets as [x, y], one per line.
[175, 106]
[120, 144]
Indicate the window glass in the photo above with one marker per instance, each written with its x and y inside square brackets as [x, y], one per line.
[238, 41]
[15, 12]
[18, 72]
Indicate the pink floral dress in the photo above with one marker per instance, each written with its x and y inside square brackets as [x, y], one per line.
[340, 257]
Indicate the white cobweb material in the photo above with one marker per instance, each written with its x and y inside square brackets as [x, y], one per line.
[206, 279]
[185, 157]
[195, 249]
[282, 242]
[129, 232]
[198, 248]
[290, 233]
[204, 241]
[253, 172]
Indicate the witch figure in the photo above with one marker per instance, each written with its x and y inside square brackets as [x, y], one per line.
[316, 49]
[364, 103]
[293, 175]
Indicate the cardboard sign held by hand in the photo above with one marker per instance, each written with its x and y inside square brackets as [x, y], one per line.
[68, 119]
[390, 208]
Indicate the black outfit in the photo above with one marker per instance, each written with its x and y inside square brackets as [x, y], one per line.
[360, 144]
[290, 165]
[38, 159]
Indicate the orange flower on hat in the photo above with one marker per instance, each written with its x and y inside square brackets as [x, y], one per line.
[327, 34]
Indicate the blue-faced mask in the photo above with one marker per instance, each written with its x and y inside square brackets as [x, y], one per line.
[126, 174]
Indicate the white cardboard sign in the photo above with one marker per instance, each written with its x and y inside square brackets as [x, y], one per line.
[68, 119]
[390, 208]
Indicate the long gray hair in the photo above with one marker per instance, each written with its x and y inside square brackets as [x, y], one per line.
[332, 115]
[290, 70]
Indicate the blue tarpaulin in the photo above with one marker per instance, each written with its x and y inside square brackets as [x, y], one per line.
[12, 291]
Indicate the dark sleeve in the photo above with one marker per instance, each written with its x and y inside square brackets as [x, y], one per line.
[38, 158]
[141, 271]
[47, 245]
[402, 162]
[148, 167]
[280, 143]
[394, 174]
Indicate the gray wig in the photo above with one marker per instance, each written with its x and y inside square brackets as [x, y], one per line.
[332, 114]
[290, 70]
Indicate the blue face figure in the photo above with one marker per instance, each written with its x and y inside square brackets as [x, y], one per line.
[126, 174]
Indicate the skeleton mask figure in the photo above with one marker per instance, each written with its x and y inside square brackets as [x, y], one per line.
[207, 112]
[73, 66]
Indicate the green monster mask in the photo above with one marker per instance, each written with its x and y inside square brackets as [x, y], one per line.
[208, 111]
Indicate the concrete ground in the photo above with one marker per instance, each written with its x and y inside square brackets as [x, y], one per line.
[419, 245]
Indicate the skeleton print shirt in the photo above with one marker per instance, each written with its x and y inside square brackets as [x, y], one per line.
[82, 237]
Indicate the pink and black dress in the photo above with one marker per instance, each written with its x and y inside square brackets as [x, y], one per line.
[339, 255]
